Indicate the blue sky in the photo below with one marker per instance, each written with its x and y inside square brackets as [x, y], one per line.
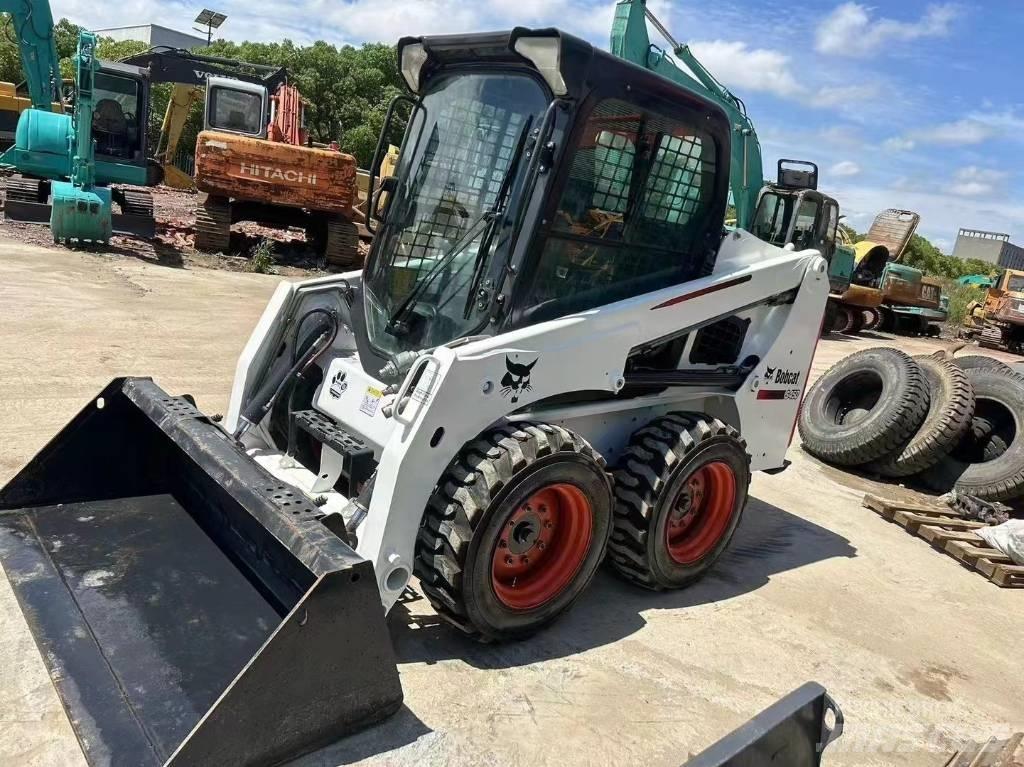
[908, 104]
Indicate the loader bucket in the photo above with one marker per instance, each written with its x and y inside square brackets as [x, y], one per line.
[191, 609]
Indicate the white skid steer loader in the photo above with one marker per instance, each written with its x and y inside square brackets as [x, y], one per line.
[554, 356]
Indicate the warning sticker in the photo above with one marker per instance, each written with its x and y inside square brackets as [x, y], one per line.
[371, 401]
[425, 386]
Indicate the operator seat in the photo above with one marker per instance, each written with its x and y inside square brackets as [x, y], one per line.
[110, 126]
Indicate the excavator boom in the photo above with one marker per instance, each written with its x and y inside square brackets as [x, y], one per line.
[631, 41]
[32, 26]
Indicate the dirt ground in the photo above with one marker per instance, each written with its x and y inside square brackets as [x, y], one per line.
[919, 652]
[174, 244]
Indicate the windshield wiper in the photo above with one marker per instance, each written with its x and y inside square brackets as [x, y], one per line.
[499, 209]
[487, 217]
[412, 299]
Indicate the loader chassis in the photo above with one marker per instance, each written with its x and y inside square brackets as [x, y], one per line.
[575, 293]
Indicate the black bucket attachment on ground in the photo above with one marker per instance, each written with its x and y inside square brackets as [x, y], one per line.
[792, 732]
[191, 609]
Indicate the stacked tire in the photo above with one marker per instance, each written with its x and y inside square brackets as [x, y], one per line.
[944, 423]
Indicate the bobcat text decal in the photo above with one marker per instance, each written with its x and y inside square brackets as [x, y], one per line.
[276, 174]
[778, 375]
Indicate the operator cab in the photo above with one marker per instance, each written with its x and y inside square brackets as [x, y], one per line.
[234, 106]
[120, 106]
[539, 177]
[793, 212]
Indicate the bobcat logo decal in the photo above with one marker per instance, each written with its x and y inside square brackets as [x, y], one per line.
[517, 379]
[768, 373]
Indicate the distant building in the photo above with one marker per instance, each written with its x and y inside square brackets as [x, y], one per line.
[153, 35]
[993, 247]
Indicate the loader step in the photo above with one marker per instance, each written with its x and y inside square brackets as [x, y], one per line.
[357, 457]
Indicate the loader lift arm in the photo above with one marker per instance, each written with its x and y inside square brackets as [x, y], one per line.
[630, 41]
[32, 23]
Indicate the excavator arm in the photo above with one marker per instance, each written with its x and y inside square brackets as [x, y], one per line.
[32, 25]
[630, 41]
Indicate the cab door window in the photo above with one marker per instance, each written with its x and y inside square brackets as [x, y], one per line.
[633, 215]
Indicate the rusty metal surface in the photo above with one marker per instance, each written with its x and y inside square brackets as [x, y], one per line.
[893, 228]
[858, 295]
[275, 173]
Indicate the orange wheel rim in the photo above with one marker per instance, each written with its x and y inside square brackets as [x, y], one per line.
[700, 513]
[541, 546]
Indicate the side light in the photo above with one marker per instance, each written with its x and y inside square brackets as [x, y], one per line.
[414, 56]
[545, 54]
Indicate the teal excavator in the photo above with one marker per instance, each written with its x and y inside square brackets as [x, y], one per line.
[787, 211]
[66, 164]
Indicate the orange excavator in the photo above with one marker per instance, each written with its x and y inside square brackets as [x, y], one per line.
[255, 163]
[254, 160]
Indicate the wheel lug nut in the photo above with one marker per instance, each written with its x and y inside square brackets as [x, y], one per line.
[509, 561]
[540, 544]
[526, 560]
[502, 544]
[543, 509]
[548, 525]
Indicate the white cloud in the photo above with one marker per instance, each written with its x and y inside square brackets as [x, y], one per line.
[898, 144]
[748, 69]
[850, 29]
[973, 181]
[846, 168]
[850, 96]
[965, 131]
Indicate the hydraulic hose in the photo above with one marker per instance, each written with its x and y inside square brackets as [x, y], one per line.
[324, 333]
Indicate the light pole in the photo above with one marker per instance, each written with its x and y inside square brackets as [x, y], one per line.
[211, 20]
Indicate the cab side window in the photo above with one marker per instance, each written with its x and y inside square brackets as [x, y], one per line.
[633, 215]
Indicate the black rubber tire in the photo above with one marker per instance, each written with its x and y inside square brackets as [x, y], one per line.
[484, 484]
[213, 225]
[969, 361]
[660, 457]
[883, 384]
[888, 322]
[849, 320]
[845, 321]
[828, 322]
[1001, 476]
[871, 319]
[950, 410]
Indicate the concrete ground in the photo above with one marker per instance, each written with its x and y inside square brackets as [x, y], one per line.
[919, 652]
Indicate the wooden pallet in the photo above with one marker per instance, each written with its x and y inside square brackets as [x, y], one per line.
[994, 753]
[946, 530]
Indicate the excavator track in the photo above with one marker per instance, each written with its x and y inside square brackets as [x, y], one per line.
[137, 204]
[213, 225]
[341, 243]
[136, 216]
[992, 336]
[25, 189]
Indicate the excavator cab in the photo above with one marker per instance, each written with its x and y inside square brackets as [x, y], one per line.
[793, 212]
[234, 106]
[121, 95]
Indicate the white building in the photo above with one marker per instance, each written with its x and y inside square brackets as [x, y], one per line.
[153, 35]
